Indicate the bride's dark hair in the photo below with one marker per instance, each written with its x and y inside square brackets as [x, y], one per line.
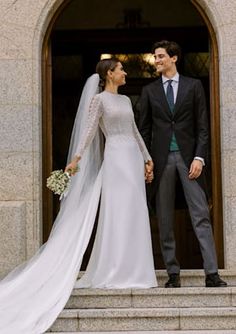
[103, 66]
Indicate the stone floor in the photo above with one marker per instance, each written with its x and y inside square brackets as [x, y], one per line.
[160, 332]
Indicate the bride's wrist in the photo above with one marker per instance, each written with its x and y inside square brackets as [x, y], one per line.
[77, 158]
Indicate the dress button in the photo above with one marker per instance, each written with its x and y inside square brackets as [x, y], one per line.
[173, 122]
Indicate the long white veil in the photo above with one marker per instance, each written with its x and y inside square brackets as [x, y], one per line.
[33, 295]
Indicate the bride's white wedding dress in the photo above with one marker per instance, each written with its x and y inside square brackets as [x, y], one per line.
[33, 295]
[122, 253]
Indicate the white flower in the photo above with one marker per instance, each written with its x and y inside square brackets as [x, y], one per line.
[58, 181]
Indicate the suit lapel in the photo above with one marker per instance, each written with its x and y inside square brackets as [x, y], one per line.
[160, 93]
[180, 94]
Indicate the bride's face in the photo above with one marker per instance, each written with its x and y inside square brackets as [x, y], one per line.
[118, 75]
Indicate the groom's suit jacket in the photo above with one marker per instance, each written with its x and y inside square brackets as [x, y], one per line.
[188, 121]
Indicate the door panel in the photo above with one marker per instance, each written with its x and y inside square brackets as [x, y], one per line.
[70, 59]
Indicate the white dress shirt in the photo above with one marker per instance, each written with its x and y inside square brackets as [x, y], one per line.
[174, 84]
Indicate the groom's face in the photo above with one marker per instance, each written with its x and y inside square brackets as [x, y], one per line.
[163, 62]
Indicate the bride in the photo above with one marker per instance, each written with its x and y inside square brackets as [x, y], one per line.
[33, 295]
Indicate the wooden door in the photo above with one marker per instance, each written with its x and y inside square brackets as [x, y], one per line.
[58, 95]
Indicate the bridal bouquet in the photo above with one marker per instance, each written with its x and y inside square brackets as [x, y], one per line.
[59, 181]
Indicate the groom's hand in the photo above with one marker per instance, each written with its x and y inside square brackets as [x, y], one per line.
[149, 177]
[195, 169]
[149, 171]
[149, 165]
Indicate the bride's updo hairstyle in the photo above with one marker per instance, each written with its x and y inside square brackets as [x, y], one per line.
[103, 66]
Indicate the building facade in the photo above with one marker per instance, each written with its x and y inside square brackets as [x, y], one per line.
[24, 27]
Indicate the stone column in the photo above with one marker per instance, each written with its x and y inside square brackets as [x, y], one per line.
[20, 143]
[222, 15]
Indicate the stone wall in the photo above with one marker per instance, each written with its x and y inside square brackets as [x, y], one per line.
[22, 28]
[222, 15]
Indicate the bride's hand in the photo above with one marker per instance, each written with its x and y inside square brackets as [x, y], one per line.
[72, 167]
[149, 171]
[149, 177]
[149, 166]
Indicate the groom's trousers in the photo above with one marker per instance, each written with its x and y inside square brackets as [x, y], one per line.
[198, 209]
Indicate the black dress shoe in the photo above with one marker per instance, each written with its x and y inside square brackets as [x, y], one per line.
[173, 282]
[214, 281]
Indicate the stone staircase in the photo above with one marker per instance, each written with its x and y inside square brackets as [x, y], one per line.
[189, 308]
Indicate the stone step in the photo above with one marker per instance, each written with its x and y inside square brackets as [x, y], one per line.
[189, 308]
[191, 278]
[157, 332]
[152, 298]
[155, 319]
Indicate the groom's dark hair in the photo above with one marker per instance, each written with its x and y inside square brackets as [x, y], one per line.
[172, 48]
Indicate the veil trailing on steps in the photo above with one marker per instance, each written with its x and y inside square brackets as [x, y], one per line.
[33, 295]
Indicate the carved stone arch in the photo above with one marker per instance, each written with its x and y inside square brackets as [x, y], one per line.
[42, 36]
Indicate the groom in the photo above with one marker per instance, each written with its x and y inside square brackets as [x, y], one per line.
[173, 123]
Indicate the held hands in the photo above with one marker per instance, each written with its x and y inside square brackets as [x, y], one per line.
[149, 171]
[195, 169]
[72, 167]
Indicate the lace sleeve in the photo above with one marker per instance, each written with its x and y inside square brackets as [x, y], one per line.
[141, 144]
[95, 112]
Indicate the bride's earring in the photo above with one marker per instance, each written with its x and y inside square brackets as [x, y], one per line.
[109, 75]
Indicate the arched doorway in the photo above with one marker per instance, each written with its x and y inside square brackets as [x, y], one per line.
[74, 43]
